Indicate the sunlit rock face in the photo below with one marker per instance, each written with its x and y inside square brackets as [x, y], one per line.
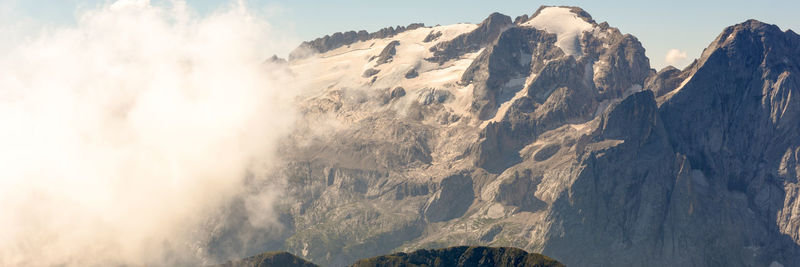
[549, 133]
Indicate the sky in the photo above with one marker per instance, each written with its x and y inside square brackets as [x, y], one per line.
[673, 32]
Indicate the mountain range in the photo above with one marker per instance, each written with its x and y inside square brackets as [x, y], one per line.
[550, 133]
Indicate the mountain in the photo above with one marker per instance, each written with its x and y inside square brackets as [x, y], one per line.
[453, 256]
[547, 132]
[462, 256]
[269, 259]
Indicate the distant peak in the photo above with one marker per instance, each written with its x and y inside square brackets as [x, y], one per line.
[748, 42]
[573, 9]
[568, 23]
[496, 18]
[496, 15]
[486, 32]
[753, 26]
[756, 24]
[748, 31]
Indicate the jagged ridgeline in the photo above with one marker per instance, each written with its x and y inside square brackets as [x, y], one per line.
[547, 132]
[445, 257]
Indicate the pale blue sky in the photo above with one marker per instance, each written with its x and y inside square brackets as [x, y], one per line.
[660, 25]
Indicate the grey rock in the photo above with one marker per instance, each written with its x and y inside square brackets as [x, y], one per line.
[432, 36]
[518, 188]
[452, 199]
[387, 53]
[398, 92]
[370, 72]
[491, 233]
[734, 121]
[485, 34]
[521, 19]
[626, 177]
[564, 89]
[624, 64]
[411, 74]
[503, 60]
[664, 81]
[433, 96]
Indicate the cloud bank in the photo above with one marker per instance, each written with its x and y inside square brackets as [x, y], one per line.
[120, 136]
[675, 57]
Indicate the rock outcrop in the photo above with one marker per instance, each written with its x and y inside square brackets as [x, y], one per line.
[339, 39]
[472, 41]
[387, 53]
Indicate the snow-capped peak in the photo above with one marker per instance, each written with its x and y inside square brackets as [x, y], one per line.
[561, 21]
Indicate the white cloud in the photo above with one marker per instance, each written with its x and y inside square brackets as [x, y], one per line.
[123, 4]
[675, 57]
[122, 135]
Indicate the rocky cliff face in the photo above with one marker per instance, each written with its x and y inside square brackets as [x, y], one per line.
[735, 120]
[550, 133]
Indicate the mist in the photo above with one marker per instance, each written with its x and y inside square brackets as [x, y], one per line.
[123, 135]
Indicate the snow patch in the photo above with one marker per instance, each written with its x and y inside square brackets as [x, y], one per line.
[676, 90]
[582, 127]
[343, 66]
[684, 82]
[566, 25]
[517, 82]
[730, 37]
[588, 73]
[496, 211]
[601, 34]
[633, 89]
[520, 83]
[598, 66]
[603, 105]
